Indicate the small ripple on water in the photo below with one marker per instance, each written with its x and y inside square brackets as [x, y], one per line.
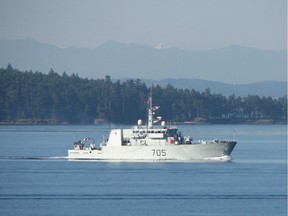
[139, 196]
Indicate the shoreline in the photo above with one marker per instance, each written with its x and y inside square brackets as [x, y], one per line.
[213, 122]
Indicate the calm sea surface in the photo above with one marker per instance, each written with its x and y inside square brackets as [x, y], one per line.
[36, 179]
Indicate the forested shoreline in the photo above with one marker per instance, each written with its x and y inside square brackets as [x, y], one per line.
[37, 98]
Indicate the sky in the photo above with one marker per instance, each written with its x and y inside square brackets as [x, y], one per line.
[186, 24]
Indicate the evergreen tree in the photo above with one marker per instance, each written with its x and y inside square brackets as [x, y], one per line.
[34, 97]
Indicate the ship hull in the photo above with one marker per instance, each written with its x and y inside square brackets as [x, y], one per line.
[199, 151]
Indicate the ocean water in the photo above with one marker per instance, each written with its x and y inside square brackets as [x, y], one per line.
[36, 179]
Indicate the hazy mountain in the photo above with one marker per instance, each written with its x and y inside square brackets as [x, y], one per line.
[273, 89]
[233, 64]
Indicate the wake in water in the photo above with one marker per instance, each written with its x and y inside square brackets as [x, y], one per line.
[222, 158]
[32, 158]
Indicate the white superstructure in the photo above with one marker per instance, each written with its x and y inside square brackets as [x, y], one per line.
[146, 142]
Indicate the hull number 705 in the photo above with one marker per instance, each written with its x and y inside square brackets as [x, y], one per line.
[159, 152]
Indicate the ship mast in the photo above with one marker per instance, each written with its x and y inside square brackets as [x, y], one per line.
[150, 111]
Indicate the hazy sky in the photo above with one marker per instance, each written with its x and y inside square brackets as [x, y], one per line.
[188, 24]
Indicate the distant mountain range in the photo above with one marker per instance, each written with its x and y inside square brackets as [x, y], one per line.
[181, 68]
[274, 89]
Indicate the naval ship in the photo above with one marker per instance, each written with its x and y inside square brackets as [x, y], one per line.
[149, 142]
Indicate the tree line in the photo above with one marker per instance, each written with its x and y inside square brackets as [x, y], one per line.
[34, 97]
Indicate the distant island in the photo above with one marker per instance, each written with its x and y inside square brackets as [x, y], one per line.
[29, 97]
